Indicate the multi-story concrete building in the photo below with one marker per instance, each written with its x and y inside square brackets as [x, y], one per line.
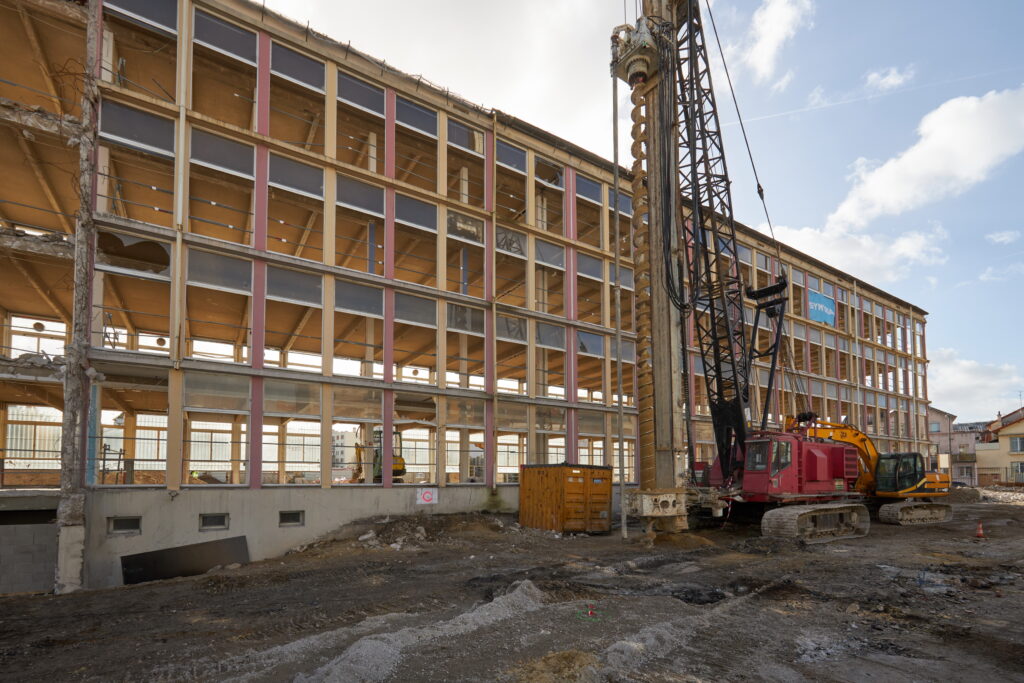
[300, 250]
[953, 445]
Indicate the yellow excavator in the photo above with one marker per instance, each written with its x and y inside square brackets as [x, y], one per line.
[894, 483]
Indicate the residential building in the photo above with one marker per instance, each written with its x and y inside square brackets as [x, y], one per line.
[1001, 458]
[300, 246]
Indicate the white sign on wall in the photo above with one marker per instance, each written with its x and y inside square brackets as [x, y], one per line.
[426, 496]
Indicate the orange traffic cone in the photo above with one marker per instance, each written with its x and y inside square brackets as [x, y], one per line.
[981, 531]
[590, 611]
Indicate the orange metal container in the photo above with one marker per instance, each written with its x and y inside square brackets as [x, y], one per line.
[566, 498]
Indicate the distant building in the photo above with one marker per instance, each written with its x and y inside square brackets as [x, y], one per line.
[1001, 457]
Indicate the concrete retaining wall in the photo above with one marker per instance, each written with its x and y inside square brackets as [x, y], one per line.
[28, 557]
[171, 518]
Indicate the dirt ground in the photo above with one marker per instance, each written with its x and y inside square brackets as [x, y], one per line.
[475, 598]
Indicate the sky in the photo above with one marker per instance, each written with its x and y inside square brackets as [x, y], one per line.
[889, 136]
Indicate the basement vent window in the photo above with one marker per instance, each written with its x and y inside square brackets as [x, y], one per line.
[213, 522]
[291, 518]
[226, 38]
[359, 94]
[296, 67]
[124, 526]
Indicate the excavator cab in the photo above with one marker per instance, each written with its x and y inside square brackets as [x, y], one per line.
[899, 472]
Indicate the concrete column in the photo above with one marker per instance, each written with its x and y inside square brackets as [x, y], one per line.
[390, 104]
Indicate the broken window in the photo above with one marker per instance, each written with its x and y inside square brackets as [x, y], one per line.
[510, 199]
[465, 345]
[224, 70]
[510, 267]
[510, 354]
[293, 319]
[131, 442]
[415, 339]
[415, 438]
[133, 275]
[221, 182]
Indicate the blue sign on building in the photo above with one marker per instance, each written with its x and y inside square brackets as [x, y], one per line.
[822, 308]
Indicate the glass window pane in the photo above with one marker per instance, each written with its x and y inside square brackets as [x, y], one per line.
[355, 91]
[590, 189]
[133, 253]
[414, 309]
[161, 12]
[511, 329]
[295, 176]
[291, 284]
[414, 212]
[628, 350]
[589, 343]
[512, 417]
[352, 297]
[510, 242]
[137, 128]
[465, 227]
[465, 137]
[511, 156]
[550, 254]
[222, 153]
[464, 412]
[222, 35]
[207, 268]
[465, 319]
[219, 391]
[550, 418]
[625, 204]
[303, 69]
[548, 172]
[551, 335]
[591, 422]
[355, 403]
[589, 266]
[361, 195]
[291, 398]
[627, 276]
[746, 254]
[415, 116]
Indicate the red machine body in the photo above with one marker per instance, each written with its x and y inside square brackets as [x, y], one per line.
[781, 467]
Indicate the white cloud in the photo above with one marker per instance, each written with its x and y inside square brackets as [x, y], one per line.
[969, 389]
[888, 79]
[958, 145]
[932, 281]
[875, 258]
[1003, 236]
[774, 23]
[1000, 274]
[817, 98]
[783, 83]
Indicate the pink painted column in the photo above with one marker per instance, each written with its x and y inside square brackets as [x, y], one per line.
[569, 206]
[389, 233]
[388, 439]
[389, 334]
[572, 455]
[257, 316]
[389, 132]
[490, 362]
[571, 285]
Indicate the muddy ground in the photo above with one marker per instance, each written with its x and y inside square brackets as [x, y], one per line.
[475, 598]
